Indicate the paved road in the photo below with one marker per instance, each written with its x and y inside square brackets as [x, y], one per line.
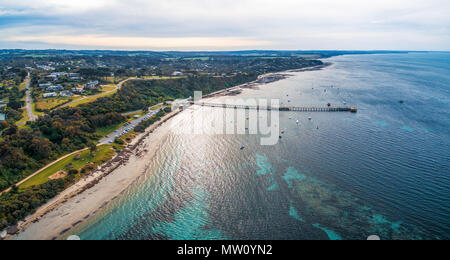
[29, 100]
[128, 127]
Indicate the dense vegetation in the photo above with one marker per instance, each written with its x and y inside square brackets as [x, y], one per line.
[140, 128]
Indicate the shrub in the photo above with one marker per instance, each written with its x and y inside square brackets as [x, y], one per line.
[73, 172]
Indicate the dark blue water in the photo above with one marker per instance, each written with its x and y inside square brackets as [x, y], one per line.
[384, 171]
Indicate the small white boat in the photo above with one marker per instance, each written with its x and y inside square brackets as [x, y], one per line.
[309, 118]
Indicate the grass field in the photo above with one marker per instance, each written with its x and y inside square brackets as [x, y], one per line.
[102, 155]
[108, 88]
[108, 91]
[198, 58]
[22, 86]
[156, 107]
[33, 107]
[113, 80]
[104, 131]
[50, 103]
[162, 78]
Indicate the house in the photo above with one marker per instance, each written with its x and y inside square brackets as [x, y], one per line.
[92, 84]
[45, 85]
[57, 74]
[55, 88]
[2, 117]
[74, 76]
[54, 77]
[49, 95]
[45, 67]
[78, 90]
[65, 93]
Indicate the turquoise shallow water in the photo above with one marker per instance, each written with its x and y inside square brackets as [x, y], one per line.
[384, 171]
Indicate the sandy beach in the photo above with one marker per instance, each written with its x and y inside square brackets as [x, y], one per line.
[84, 199]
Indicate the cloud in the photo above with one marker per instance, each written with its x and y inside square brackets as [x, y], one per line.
[268, 24]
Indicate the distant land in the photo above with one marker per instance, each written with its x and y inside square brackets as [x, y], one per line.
[186, 54]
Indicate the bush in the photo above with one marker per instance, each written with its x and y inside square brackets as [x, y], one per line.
[73, 172]
[119, 141]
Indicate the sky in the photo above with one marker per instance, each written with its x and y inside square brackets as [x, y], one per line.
[161, 25]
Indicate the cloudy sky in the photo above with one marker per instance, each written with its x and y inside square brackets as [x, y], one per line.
[226, 24]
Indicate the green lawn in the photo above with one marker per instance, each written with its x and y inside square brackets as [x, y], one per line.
[104, 131]
[102, 155]
[33, 107]
[198, 58]
[22, 86]
[91, 99]
[50, 103]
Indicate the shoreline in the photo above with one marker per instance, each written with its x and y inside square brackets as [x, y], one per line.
[118, 164]
[266, 79]
[123, 169]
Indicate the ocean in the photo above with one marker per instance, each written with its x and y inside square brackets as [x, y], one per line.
[383, 171]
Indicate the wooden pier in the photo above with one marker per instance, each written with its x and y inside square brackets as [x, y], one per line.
[281, 108]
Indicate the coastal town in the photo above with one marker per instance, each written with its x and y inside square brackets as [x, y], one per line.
[82, 111]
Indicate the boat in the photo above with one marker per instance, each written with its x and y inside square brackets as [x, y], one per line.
[309, 118]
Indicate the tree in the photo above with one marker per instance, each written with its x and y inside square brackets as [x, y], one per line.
[14, 189]
[92, 148]
[73, 172]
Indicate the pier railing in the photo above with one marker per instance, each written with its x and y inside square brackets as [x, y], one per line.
[281, 108]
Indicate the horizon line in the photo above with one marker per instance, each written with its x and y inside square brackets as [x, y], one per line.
[218, 51]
